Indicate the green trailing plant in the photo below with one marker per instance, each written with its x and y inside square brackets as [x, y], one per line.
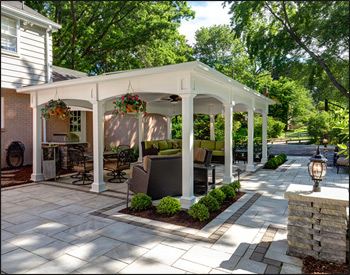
[236, 185]
[141, 202]
[218, 195]
[199, 211]
[169, 206]
[210, 202]
[229, 191]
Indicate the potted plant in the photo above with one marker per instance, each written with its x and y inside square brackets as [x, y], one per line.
[129, 103]
[55, 107]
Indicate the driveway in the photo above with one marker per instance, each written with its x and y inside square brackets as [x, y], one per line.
[53, 227]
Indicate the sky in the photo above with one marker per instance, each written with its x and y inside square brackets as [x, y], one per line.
[208, 13]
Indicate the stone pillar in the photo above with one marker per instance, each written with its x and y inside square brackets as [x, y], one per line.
[228, 178]
[37, 173]
[264, 138]
[250, 164]
[141, 136]
[97, 118]
[317, 222]
[187, 198]
[212, 127]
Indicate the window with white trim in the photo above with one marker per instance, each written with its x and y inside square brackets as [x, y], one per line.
[2, 113]
[9, 34]
[75, 122]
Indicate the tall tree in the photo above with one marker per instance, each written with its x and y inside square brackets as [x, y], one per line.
[103, 36]
[301, 29]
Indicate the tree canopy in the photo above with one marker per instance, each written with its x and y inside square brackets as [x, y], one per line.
[281, 33]
[104, 36]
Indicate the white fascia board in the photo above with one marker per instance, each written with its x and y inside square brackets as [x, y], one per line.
[33, 19]
[111, 76]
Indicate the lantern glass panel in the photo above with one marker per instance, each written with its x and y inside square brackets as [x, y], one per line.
[324, 170]
[317, 170]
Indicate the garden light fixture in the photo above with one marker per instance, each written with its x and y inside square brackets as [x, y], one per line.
[317, 169]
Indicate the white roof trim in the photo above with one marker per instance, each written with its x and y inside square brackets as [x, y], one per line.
[37, 21]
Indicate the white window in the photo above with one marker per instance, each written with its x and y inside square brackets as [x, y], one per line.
[75, 122]
[9, 34]
[2, 113]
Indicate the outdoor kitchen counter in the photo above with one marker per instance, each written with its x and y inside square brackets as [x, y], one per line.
[63, 148]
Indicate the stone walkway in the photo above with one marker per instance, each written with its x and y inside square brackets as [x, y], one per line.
[55, 227]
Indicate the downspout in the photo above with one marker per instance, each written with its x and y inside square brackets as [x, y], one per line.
[48, 68]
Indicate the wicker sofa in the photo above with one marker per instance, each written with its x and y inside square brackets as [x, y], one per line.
[166, 147]
[340, 160]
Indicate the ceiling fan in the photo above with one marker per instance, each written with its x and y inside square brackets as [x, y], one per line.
[171, 99]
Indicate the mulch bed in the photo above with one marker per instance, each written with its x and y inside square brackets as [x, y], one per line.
[18, 176]
[182, 218]
[313, 266]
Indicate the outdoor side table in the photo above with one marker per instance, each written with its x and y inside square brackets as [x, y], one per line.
[201, 174]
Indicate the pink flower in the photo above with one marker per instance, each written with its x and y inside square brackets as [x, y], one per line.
[122, 102]
[45, 105]
[123, 113]
[128, 97]
[113, 102]
[47, 116]
[146, 114]
[122, 97]
[116, 112]
[58, 106]
[112, 112]
[51, 104]
[133, 98]
[140, 101]
[145, 102]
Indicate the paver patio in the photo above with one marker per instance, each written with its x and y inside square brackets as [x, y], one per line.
[55, 227]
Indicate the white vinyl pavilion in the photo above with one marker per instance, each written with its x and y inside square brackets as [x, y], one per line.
[202, 89]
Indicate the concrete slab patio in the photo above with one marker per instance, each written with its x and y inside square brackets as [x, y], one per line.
[55, 227]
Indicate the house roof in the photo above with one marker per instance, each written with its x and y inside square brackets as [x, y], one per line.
[60, 74]
[16, 8]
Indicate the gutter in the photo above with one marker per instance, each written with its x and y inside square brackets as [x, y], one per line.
[48, 65]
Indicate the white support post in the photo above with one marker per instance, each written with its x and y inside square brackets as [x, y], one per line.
[250, 166]
[169, 126]
[44, 131]
[228, 178]
[187, 198]
[97, 117]
[141, 137]
[264, 138]
[212, 127]
[37, 173]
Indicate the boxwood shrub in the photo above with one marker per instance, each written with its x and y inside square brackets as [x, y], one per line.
[218, 195]
[210, 202]
[199, 211]
[141, 202]
[168, 205]
[274, 162]
[229, 191]
[236, 185]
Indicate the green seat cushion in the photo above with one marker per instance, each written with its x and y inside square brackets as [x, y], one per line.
[170, 144]
[149, 144]
[169, 152]
[163, 145]
[209, 144]
[218, 153]
[219, 145]
[197, 143]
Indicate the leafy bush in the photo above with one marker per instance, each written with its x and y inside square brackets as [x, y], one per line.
[168, 205]
[229, 191]
[318, 126]
[199, 211]
[236, 185]
[210, 202]
[274, 127]
[275, 161]
[218, 195]
[141, 202]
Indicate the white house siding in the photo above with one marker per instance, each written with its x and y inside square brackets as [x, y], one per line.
[30, 67]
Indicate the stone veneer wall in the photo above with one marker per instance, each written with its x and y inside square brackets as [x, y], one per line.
[317, 225]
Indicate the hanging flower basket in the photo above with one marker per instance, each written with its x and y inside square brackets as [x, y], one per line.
[55, 107]
[129, 103]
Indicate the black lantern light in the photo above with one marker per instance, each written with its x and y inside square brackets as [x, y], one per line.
[317, 169]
